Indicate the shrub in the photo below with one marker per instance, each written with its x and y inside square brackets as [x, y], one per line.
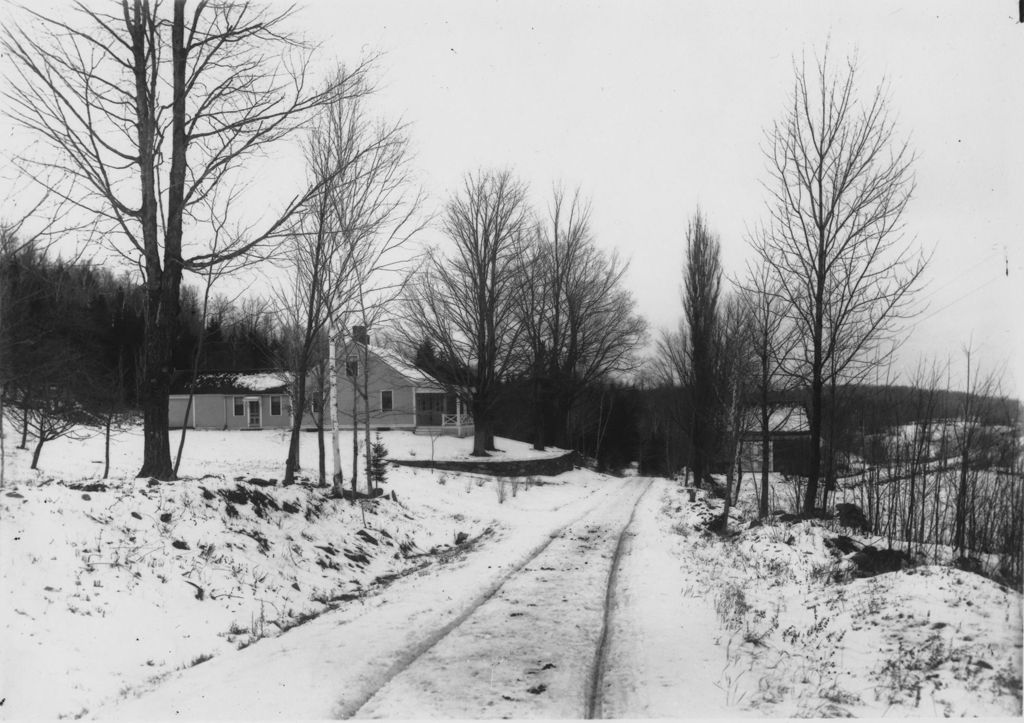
[731, 606]
[199, 659]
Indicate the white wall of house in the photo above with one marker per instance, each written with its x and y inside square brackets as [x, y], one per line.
[219, 411]
[396, 410]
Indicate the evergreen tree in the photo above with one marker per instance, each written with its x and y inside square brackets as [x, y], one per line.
[378, 462]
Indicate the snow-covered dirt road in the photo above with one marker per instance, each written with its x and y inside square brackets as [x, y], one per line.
[512, 629]
[663, 657]
[534, 648]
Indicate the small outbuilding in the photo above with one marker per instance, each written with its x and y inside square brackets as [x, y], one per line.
[231, 400]
[789, 440]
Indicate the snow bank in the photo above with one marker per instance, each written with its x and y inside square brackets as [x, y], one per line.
[406, 445]
[799, 641]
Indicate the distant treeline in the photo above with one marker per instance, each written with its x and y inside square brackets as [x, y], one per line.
[78, 326]
[882, 407]
[616, 424]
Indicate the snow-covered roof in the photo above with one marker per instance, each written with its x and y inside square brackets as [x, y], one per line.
[259, 382]
[782, 419]
[262, 381]
[408, 370]
[788, 419]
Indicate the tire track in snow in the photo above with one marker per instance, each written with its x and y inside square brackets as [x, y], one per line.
[350, 708]
[594, 696]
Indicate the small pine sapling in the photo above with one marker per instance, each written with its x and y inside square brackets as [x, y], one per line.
[378, 462]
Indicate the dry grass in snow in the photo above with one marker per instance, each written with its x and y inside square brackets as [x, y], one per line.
[801, 637]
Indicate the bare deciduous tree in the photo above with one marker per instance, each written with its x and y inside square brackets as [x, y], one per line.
[839, 181]
[145, 113]
[346, 240]
[465, 304]
[734, 363]
[772, 342]
[579, 322]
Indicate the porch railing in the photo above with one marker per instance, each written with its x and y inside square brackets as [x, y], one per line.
[456, 420]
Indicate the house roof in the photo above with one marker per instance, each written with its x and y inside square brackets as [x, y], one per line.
[254, 382]
[782, 419]
[408, 370]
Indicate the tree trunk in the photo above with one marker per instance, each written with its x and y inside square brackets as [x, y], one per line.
[292, 463]
[538, 416]
[558, 414]
[163, 284]
[156, 456]
[814, 469]
[184, 426]
[696, 455]
[960, 514]
[602, 426]
[366, 415]
[195, 371]
[480, 429]
[26, 400]
[3, 394]
[817, 382]
[38, 449]
[830, 446]
[355, 431]
[332, 385]
[3, 437]
[106, 446]
[321, 449]
[766, 442]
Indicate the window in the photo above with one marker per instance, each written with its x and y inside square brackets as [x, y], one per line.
[239, 407]
[275, 406]
[386, 401]
[352, 367]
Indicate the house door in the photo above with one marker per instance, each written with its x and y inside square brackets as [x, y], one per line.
[253, 407]
[429, 408]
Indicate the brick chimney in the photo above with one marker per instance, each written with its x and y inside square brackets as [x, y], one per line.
[360, 335]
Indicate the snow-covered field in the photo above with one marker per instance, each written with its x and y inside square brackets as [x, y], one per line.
[460, 596]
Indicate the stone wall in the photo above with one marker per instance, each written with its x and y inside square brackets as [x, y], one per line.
[500, 467]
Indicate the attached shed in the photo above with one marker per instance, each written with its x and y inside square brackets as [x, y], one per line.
[789, 440]
[231, 400]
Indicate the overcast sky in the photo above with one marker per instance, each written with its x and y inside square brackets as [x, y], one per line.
[654, 108]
